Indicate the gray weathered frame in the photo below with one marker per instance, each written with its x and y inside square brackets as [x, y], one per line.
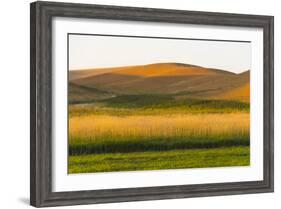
[41, 16]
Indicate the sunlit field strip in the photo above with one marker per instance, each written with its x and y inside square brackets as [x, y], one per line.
[105, 134]
[95, 109]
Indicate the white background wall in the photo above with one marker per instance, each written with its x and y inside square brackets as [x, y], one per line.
[14, 104]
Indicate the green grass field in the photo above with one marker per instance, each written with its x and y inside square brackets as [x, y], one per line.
[174, 159]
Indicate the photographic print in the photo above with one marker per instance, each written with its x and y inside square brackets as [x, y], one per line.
[151, 103]
[134, 104]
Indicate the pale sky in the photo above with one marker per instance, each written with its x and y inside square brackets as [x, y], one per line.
[87, 51]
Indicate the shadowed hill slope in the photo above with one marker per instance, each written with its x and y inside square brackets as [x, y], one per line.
[77, 93]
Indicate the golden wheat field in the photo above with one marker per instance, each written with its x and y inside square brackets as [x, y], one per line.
[97, 127]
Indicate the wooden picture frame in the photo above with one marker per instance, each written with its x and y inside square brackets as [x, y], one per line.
[41, 92]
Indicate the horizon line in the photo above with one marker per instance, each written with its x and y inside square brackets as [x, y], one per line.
[175, 63]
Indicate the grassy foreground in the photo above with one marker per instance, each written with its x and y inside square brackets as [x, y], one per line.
[174, 159]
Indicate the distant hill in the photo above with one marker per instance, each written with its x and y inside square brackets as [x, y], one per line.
[180, 80]
[76, 74]
[241, 93]
[77, 93]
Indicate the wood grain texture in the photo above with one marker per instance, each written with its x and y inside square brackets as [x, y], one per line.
[41, 193]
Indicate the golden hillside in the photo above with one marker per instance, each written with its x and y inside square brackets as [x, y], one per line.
[241, 93]
[181, 80]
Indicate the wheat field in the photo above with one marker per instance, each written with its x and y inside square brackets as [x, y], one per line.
[104, 127]
[113, 134]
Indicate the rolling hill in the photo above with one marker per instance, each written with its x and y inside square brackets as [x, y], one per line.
[241, 93]
[80, 94]
[177, 79]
